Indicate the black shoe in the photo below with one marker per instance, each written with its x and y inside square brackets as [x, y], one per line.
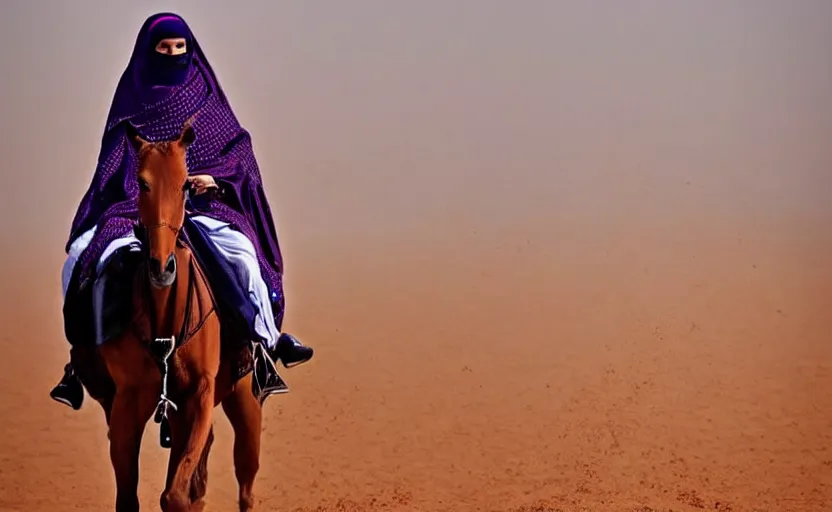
[290, 351]
[69, 391]
[265, 381]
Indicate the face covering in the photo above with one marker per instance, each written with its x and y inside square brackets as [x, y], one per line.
[163, 69]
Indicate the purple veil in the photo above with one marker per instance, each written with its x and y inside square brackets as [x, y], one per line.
[222, 149]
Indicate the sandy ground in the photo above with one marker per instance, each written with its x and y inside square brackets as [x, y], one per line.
[536, 369]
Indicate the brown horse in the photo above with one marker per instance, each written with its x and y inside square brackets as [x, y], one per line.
[174, 310]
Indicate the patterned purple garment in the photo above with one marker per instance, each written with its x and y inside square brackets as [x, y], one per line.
[222, 149]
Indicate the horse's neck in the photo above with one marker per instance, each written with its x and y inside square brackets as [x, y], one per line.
[181, 308]
[169, 305]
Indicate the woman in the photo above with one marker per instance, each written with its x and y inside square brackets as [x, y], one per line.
[167, 81]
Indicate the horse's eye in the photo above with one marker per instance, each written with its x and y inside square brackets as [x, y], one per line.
[143, 186]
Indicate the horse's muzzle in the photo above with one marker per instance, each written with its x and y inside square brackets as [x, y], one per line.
[162, 277]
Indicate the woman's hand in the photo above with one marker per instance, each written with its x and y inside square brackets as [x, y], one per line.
[202, 183]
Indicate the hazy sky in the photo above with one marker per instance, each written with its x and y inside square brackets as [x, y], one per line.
[371, 117]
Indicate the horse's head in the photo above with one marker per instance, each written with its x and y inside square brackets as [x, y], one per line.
[163, 189]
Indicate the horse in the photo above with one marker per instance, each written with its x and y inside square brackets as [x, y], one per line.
[171, 359]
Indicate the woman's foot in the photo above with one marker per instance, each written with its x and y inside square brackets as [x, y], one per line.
[290, 351]
[69, 390]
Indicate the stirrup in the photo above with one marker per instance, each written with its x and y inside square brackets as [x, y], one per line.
[265, 379]
[162, 348]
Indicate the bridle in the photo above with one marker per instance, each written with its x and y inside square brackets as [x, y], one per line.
[175, 229]
[142, 235]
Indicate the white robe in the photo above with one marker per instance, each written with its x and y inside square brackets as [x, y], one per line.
[234, 246]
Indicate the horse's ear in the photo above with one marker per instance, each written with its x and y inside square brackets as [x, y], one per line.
[135, 139]
[187, 137]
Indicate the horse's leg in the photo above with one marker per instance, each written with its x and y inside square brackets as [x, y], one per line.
[107, 406]
[199, 480]
[190, 427]
[132, 405]
[244, 413]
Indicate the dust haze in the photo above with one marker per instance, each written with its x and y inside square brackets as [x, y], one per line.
[559, 254]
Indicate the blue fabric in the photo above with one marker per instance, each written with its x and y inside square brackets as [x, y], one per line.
[235, 308]
[79, 322]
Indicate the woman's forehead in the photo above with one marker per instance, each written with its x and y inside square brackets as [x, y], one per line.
[171, 40]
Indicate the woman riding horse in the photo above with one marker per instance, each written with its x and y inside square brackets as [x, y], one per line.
[167, 81]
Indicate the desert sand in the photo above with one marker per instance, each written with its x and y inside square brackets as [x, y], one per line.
[609, 372]
[555, 257]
